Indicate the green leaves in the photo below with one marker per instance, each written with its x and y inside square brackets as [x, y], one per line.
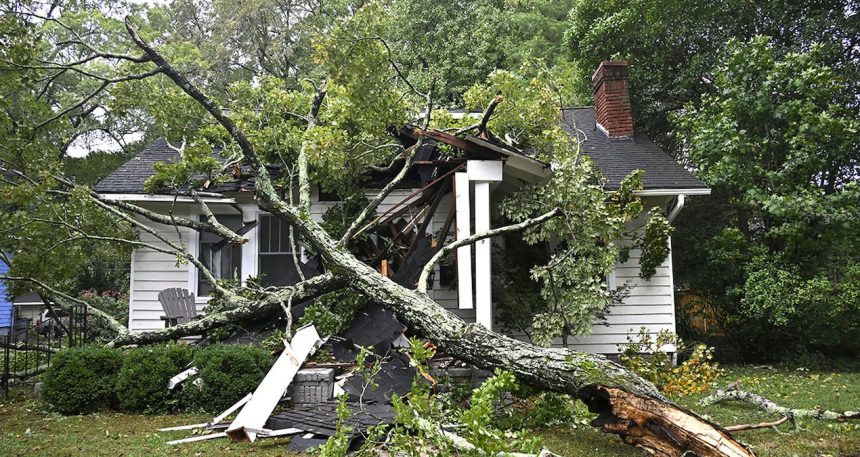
[778, 140]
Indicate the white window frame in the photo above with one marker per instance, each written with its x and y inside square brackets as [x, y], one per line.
[249, 259]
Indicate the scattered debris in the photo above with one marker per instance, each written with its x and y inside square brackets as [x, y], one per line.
[270, 391]
[312, 385]
[320, 420]
[193, 439]
[181, 377]
[215, 421]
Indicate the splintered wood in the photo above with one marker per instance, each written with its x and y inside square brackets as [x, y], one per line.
[659, 428]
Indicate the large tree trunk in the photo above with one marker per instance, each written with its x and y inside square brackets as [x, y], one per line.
[627, 404]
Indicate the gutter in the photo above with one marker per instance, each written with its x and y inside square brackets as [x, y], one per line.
[679, 205]
[669, 192]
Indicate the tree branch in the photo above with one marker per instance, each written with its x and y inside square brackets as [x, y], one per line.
[767, 405]
[773, 425]
[244, 311]
[428, 268]
[178, 250]
[102, 86]
[407, 164]
[302, 159]
[485, 117]
[216, 228]
[58, 298]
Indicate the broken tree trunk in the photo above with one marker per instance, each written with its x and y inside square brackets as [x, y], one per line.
[627, 404]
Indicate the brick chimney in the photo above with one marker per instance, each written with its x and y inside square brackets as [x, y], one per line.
[612, 100]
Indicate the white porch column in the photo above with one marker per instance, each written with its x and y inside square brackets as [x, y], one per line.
[249, 250]
[483, 272]
[483, 172]
[463, 230]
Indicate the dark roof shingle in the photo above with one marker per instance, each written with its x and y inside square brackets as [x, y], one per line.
[130, 176]
[618, 158]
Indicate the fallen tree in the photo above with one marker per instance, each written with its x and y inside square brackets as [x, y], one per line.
[627, 404]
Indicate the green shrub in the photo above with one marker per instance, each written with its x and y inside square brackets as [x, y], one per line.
[227, 373]
[646, 356]
[142, 382]
[82, 380]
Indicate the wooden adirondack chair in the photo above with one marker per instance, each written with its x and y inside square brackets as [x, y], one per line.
[179, 306]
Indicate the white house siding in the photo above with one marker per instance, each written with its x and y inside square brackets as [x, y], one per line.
[649, 303]
[153, 271]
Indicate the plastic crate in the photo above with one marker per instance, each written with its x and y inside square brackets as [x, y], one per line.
[312, 385]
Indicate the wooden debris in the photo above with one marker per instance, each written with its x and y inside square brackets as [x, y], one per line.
[657, 427]
[215, 421]
[773, 425]
[232, 409]
[193, 439]
[258, 409]
[179, 378]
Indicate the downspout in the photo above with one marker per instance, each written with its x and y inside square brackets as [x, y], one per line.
[679, 205]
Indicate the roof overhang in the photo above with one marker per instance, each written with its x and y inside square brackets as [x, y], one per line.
[164, 198]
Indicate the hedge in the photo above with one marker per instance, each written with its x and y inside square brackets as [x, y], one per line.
[82, 380]
[142, 381]
[227, 373]
[92, 378]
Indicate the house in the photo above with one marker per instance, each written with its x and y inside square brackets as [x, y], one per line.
[5, 303]
[445, 199]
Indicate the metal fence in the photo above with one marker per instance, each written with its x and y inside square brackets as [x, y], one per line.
[30, 343]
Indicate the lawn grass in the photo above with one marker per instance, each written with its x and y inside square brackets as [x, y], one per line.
[27, 429]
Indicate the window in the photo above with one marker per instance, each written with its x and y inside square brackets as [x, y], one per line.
[223, 260]
[277, 267]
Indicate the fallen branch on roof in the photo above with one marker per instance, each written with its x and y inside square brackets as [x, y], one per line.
[769, 406]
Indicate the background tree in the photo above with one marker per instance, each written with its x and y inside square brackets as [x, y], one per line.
[673, 46]
[685, 75]
[780, 144]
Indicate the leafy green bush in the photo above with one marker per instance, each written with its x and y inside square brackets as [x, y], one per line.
[226, 374]
[646, 356]
[144, 375]
[82, 380]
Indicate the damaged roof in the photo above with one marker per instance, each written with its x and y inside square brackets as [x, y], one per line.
[130, 177]
[617, 158]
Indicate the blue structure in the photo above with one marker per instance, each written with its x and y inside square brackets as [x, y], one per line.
[5, 303]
